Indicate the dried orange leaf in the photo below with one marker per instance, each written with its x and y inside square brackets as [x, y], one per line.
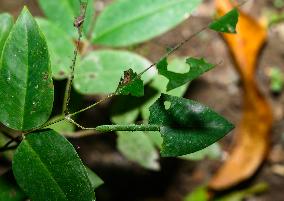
[252, 134]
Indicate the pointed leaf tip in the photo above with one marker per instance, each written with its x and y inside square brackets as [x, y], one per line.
[226, 23]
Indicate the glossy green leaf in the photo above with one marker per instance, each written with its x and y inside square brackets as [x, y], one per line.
[95, 180]
[100, 71]
[9, 190]
[128, 22]
[226, 23]
[47, 167]
[130, 84]
[63, 13]
[138, 148]
[211, 152]
[196, 68]
[186, 126]
[6, 24]
[60, 47]
[26, 87]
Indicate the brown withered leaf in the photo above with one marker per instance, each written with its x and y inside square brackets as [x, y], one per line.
[253, 132]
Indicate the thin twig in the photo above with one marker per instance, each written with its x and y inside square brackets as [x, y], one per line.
[78, 23]
[174, 49]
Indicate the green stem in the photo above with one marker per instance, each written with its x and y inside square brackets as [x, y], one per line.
[131, 127]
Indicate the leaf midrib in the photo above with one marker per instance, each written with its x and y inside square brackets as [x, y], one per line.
[27, 78]
[136, 19]
[45, 168]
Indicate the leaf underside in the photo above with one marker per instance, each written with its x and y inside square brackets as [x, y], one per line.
[100, 71]
[143, 20]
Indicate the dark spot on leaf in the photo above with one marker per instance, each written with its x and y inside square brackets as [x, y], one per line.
[92, 76]
[61, 73]
[127, 77]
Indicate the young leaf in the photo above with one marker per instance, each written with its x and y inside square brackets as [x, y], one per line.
[121, 114]
[63, 13]
[226, 23]
[142, 21]
[196, 68]
[47, 167]
[6, 24]
[131, 83]
[9, 189]
[186, 126]
[60, 46]
[26, 87]
[138, 147]
[100, 71]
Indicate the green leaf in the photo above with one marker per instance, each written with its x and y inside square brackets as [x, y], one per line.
[47, 167]
[127, 115]
[198, 194]
[196, 68]
[64, 127]
[201, 193]
[155, 138]
[95, 180]
[211, 152]
[128, 22]
[131, 83]
[100, 71]
[243, 194]
[6, 24]
[138, 148]
[26, 87]
[9, 190]
[186, 126]
[160, 82]
[63, 13]
[276, 80]
[7, 154]
[226, 23]
[60, 46]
